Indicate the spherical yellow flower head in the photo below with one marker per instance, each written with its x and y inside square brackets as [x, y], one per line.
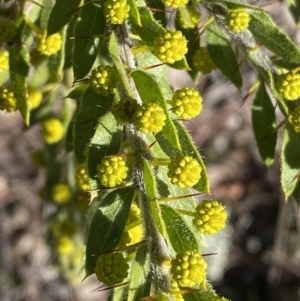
[112, 171]
[175, 291]
[8, 31]
[202, 61]
[184, 171]
[187, 103]
[288, 85]
[48, 45]
[294, 119]
[170, 46]
[82, 176]
[210, 217]
[4, 57]
[8, 100]
[111, 268]
[189, 269]
[34, 98]
[104, 80]
[124, 110]
[194, 18]
[61, 193]
[116, 11]
[237, 20]
[65, 246]
[52, 130]
[149, 118]
[175, 3]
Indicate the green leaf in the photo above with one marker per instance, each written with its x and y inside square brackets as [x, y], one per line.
[264, 124]
[150, 91]
[106, 141]
[18, 69]
[151, 192]
[93, 106]
[134, 13]
[290, 160]
[45, 12]
[115, 53]
[180, 235]
[89, 32]
[266, 32]
[61, 15]
[146, 59]
[139, 286]
[107, 225]
[222, 54]
[190, 149]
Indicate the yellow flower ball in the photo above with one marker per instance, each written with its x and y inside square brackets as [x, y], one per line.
[52, 130]
[48, 45]
[61, 193]
[34, 98]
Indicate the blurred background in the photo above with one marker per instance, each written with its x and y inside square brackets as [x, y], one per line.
[258, 254]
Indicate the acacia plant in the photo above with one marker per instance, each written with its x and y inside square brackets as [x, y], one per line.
[124, 131]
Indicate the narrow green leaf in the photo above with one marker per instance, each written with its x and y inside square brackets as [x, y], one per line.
[266, 32]
[61, 15]
[190, 149]
[290, 160]
[115, 53]
[105, 141]
[107, 225]
[264, 124]
[151, 192]
[139, 286]
[45, 12]
[93, 106]
[180, 235]
[89, 32]
[134, 13]
[222, 54]
[150, 91]
[18, 69]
